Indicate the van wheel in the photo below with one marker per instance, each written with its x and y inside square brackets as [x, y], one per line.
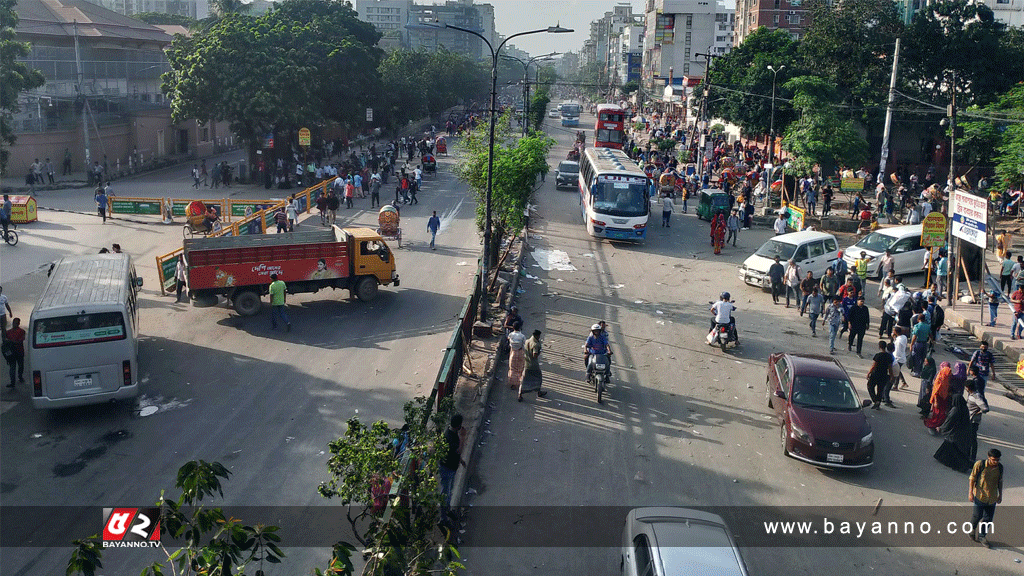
[782, 436]
[247, 303]
[366, 289]
[768, 393]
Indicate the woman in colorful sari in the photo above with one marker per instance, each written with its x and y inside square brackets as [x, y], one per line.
[939, 402]
[718, 232]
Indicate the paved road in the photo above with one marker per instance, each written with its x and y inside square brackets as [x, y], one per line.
[228, 388]
[683, 423]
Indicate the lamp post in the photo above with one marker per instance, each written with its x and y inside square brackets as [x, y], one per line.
[526, 80]
[771, 129]
[490, 147]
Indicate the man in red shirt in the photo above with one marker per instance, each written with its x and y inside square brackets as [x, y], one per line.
[1017, 298]
[14, 351]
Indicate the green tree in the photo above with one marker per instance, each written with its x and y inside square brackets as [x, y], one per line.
[630, 87]
[214, 544]
[996, 134]
[742, 83]
[223, 8]
[959, 47]
[166, 19]
[387, 478]
[517, 163]
[539, 106]
[850, 44]
[15, 77]
[291, 67]
[820, 136]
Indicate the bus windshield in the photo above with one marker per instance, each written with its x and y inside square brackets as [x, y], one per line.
[570, 109]
[79, 329]
[605, 135]
[621, 198]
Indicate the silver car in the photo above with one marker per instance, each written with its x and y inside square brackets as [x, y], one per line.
[673, 541]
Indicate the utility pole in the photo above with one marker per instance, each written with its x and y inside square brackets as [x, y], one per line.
[888, 113]
[951, 264]
[702, 141]
[81, 94]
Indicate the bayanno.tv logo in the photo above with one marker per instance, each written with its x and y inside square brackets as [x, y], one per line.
[131, 527]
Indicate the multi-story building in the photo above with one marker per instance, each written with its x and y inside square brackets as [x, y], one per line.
[197, 9]
[789, 15]
[111, 82]
[568, 65]
[676, 32]
[391, 17]
[630, 53]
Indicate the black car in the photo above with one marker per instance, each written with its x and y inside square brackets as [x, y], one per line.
[567, 174]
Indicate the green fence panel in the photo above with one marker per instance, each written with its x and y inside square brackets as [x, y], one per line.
[169, 268]
[120, 206]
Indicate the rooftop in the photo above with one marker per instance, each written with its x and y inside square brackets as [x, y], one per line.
[57, 18]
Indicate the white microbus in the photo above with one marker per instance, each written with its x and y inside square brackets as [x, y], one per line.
[82, 345]
[614, 195]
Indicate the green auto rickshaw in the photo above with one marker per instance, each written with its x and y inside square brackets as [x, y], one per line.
[712, 201]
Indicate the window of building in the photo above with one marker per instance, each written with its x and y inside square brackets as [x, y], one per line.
[793, 18]
[204, 135]
[719, 38]
[795, 3]
[776, 18]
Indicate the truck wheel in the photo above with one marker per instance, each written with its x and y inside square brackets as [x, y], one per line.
[247, 303]
[366, 289]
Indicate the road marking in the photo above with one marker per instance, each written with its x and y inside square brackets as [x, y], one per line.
[6, 405]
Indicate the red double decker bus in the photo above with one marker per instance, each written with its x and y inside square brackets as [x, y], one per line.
[609, 132]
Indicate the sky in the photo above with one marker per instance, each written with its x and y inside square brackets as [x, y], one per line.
[511, 16]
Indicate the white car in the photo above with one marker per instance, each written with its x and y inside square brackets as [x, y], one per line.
[674, 541]
[553, 113]
[813, 252]
[904, 242]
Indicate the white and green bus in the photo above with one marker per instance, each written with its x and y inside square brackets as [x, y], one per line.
[83, 333]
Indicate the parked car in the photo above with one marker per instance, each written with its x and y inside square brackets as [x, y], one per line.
[903, 241]
[672, 541]
[813, 252]
[820, 416]
[567, 174]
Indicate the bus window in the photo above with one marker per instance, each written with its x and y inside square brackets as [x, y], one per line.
[80, 329]
[620, 198]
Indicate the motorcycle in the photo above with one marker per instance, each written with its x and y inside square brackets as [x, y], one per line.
[599, 373]
[722, 335]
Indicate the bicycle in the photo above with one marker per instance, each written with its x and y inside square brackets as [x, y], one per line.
[11, 237]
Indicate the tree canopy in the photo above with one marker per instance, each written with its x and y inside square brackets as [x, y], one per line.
[303, 63]
[742, 83]
[819, 136]
[418, 84]
[159, 18]
[15, 77]
[995, 133]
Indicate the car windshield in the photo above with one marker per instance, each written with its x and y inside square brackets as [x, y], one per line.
[824, 394]
[621, 198]
[876, 242]
[569, 167]
[773, 248]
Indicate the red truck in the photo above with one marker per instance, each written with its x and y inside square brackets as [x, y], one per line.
[239, 267]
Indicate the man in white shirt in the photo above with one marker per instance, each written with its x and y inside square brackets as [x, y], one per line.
[723, 314]
[780, 225]
[899, 342]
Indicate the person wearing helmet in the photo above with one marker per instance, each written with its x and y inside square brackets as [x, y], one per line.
[723, 314]
[597, 343]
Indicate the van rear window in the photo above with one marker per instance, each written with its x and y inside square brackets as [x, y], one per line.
[80, 329]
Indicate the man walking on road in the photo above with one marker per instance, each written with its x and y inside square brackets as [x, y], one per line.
[732, 225]
[985, 490]
[101, 203]
[433, 225]
[776, 273]
[814, 303]
[14, 351]
[277, 302]
[451, 458]
[780, 225]
[858, 319]
[879, 375]
[834, 318]
[375, 183]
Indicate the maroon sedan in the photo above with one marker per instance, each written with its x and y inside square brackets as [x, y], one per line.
[821, 417]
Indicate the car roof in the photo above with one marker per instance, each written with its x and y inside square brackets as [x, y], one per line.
[816, 365]
[801, 237]
[901, 231]
[568, 163]
[692, 539]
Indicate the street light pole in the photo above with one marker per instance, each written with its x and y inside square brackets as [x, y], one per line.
[771, 128]
[490, 148]
[526, 81]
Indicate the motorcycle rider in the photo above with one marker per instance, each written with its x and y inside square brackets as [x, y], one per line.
[723, 315]
[597, 343]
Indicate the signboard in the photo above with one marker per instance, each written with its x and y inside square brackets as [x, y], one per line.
[129, 206]
[933, 230]
[268, 141]
[178, 207]
[168, 268]
[304, 138]
[1020, 368]
[851, 184]
[796, 218]
[238, 206]
[970, 215]
[369, 114]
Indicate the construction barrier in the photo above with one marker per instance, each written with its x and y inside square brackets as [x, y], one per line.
[130, 205]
